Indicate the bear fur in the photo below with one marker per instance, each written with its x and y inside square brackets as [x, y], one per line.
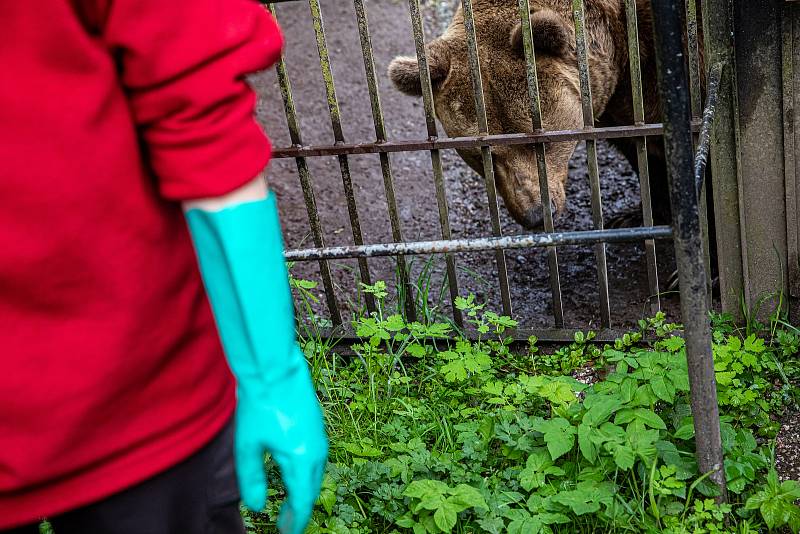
[503, 72]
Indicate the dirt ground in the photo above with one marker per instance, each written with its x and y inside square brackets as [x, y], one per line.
[528, 273]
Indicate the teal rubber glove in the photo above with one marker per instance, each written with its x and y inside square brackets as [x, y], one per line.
[240, 252]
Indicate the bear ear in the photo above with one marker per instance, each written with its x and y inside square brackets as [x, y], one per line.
[404, 71]
[551, 34]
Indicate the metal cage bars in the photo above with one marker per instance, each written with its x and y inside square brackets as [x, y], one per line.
[536, 138]
[685, 178]
[591, 157]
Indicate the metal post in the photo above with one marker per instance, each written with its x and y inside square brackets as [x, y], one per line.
[674, 93]
[582, 48]
[436, 156]
[634, 60]
[541, 160]
[791, 144]
[486, 150]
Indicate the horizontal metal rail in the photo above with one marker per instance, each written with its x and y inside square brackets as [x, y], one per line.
[344, 336]
[586, 237]
[413, 145]
[538, 140]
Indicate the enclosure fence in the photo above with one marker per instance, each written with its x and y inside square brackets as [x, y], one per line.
[686, 123]
[434, 144]
[683, 118]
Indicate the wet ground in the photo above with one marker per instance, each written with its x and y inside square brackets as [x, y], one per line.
[413, 179]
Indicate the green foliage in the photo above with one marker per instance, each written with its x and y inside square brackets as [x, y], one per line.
[776, 502]
[432, 431]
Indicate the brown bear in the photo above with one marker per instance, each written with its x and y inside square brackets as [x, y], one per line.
[506, 92]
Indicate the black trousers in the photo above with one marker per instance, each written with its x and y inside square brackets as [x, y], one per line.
[198, 496]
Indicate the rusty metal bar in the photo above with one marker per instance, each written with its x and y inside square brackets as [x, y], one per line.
[386, 167]
[617, 235]
[704, 140]
[434, 143]
[672, 84]
[486, 152]
[541, 163]
[345, 336]
[436, 157]
[591, 158]
[791, 82]
[634, 60]
[306, 184]
[338, 134]
[694, 59]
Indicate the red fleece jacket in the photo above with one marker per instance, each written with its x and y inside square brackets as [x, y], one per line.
[112, 111]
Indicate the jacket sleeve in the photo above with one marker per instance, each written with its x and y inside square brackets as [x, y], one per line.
[182, 64]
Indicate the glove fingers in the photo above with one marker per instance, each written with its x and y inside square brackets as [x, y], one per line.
[303, 480]
[251, 475]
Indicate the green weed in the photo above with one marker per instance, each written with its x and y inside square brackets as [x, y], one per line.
[433, 431]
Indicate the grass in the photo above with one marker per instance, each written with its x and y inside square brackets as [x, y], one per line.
[432, 432]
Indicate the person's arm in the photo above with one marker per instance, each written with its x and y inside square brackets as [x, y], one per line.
[238, 242]
[252, 191]
[183, 66]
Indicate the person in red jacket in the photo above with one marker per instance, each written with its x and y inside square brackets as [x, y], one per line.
[121, 120]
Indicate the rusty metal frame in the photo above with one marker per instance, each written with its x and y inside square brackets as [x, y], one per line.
[634, 60]
[679, 87]
[536, 138]
[436, 143]
[532, 78]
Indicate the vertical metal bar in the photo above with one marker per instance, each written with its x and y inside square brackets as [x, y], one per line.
[718, 36]
[541, 162]
[696, 105]
[791, 36]
[386, 168]
[694, 59]
[591, 156]
[672, 85]
[486, 151]
[634, 60]
[436, 157]
[336, 124]
[305, 183]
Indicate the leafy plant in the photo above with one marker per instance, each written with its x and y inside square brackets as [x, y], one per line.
[434, 506]
[437, 430]
[776, 502]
